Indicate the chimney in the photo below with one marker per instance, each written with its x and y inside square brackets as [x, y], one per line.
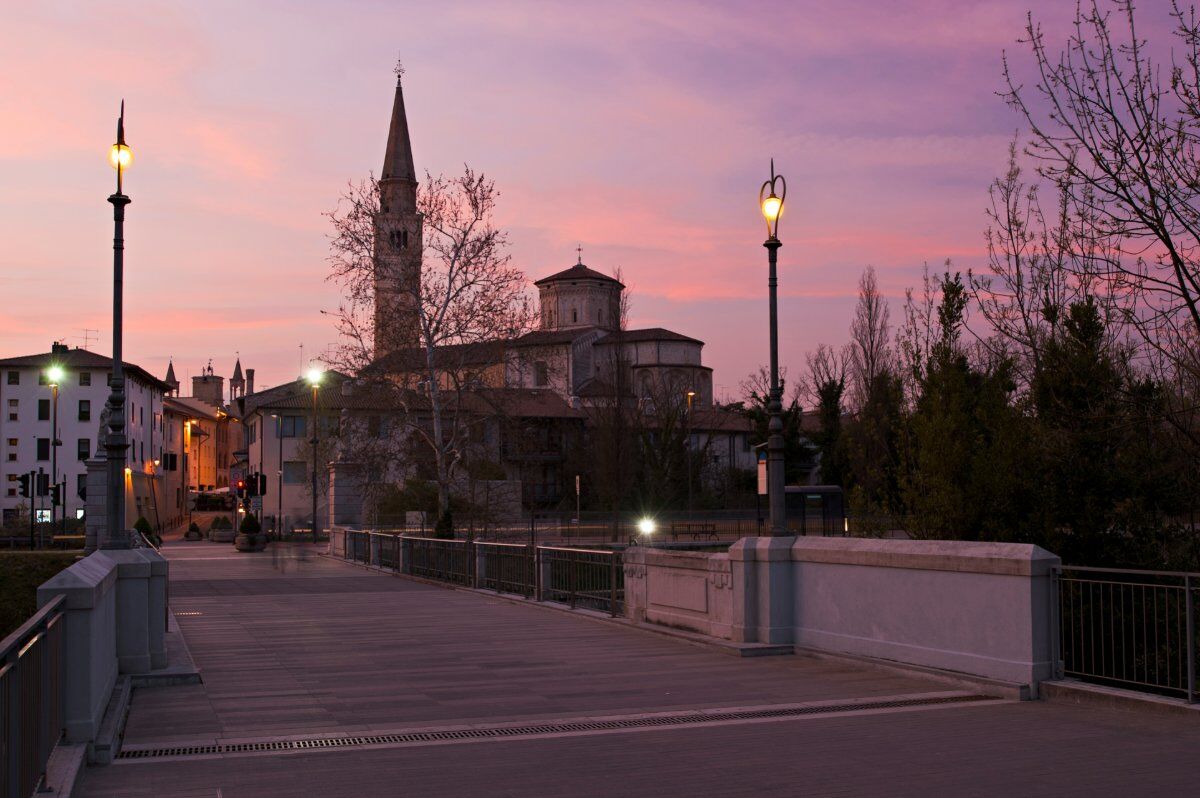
[249, 381]
[57, 348]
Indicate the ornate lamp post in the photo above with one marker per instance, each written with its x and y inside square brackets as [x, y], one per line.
[314, 379]
[772, 207]
[120, 157]
[687, 432]
[54, 376]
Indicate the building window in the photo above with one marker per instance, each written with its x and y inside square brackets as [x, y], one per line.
[43, 409]
[85, 378]
[81, 485]
[43, 448]
[574, 315]
[83, 449]
[541, 374]
[85, 409]
[374, 427]
[142, 416]
[12, 409]
[13, 442]
[14, 378]
[295, 472]
[12, 457]
[42, 379]
[292, 427]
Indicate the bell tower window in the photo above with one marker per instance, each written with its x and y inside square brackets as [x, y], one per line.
[574, 316]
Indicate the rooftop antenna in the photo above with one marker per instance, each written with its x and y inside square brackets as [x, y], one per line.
[579, 250]
[301, 358]
[87, 337]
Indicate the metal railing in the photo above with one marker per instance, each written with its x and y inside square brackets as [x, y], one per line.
[1134, 629]
[593, 578]
[31, 699]
[507, 568]
[578, 577]
[437, 559]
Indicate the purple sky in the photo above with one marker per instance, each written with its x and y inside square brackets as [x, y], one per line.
[641, 131]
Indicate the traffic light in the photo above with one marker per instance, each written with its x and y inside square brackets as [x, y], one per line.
[262, 484]
[43, 484]
[24, 480]
[241, 488]
[252, 485]
[55, 495]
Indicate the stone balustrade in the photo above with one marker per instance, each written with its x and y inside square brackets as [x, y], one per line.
[981, 609]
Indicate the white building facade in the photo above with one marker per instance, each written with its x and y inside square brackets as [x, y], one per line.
[27, 437]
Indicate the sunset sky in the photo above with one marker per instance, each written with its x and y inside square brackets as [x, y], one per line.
[639, 130]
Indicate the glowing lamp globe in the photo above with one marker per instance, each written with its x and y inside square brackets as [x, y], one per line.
[314, 376]
[120, 156]
[54, 375]
[771, 207]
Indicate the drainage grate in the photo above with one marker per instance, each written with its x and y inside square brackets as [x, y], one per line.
[483, 733]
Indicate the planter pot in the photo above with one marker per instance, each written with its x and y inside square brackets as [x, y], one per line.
[222, 535]
[193, 535]
[250, 542]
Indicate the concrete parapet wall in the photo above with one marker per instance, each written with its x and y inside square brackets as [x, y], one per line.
[115, 612]
[90, 588]
[684, 590]
[983, 609]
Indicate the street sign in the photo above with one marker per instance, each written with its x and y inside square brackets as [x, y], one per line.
[762, 473]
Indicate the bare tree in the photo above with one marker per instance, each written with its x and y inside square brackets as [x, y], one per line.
[467, 304]
[870, 355]
[1116, 130]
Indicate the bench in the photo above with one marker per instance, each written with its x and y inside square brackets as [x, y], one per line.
[695, 529]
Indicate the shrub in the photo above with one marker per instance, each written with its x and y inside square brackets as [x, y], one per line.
[143, 526]
[250, 525]
[193, 527]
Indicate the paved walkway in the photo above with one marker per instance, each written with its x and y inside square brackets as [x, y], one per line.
[299, 646]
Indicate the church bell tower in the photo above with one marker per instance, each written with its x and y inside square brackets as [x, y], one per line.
[397, 239]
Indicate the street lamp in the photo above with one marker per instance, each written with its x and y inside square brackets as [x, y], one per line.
[314, 379]
[54, 376]
[691, 395]
[120, 157]
[279, 475]
[772, 208]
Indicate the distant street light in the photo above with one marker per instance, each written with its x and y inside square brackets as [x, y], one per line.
[120, 157]
[687, 431]
[772, 208]
[54, 376]
[314, 379]
[646, 527]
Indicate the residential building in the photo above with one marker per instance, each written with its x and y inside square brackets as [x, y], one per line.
[26, 437]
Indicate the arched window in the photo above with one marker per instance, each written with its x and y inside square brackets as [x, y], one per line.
[574, 316]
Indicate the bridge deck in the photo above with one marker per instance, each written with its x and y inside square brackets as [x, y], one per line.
[293, 646]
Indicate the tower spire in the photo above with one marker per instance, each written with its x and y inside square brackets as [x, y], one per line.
[398, 160]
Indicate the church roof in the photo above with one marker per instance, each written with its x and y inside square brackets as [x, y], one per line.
[237, 373]
[578, 272]
[170, 379]
[398, 159]
[647, 334]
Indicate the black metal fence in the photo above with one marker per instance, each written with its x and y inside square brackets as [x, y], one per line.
[593, 578]
[31, 699]
[579, 577]
[1135, 629]
[507, 568]
[440, 560]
